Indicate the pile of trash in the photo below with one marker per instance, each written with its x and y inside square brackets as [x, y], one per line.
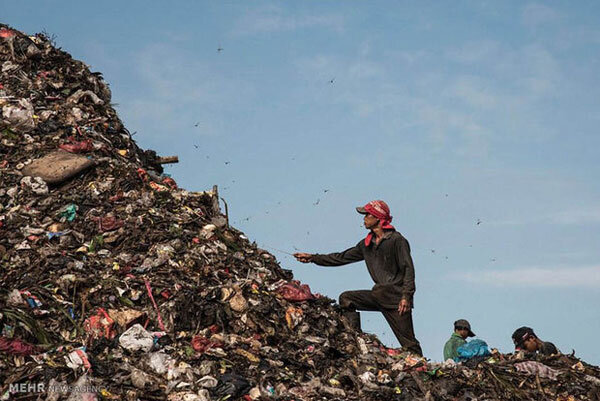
[118, 284]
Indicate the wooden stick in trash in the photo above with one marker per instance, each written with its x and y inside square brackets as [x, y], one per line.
[168, 160]
[278, 250]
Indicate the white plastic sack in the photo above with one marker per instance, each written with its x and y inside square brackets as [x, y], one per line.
[19, 116]
[137, 338]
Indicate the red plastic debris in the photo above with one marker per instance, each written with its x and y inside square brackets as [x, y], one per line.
[77, 146]
[170, 183]
[17, 347]
[99, 325]
[118, 196]
[203, 344]
[142, 174]
[158, 187]
[4, 162]
[160, 321]
[391, 351]
[296, 291]
[84, 358]
[196, 240]
[6, 33]
[107, 223]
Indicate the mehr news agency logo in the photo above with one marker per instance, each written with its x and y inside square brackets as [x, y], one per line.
[33, 387]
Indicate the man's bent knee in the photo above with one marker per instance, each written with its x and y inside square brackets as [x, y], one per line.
[345, 300]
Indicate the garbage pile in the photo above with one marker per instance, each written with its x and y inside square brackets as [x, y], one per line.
[118, 284]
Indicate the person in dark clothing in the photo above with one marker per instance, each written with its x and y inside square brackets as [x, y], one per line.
[387, 256]
[525, 340]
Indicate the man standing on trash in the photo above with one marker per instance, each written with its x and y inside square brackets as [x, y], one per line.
[387, 255]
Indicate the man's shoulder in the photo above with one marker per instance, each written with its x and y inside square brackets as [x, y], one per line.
[548, 348]
[395, 236]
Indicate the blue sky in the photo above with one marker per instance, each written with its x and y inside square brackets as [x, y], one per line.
[477, 110]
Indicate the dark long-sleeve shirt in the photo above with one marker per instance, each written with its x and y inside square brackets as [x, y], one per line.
[389, 263]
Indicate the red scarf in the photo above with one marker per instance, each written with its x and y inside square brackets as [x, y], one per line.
[381, 211]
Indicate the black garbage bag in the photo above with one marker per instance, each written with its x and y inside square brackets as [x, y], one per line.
[233, 385]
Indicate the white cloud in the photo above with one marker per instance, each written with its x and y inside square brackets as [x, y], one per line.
[177, 76]
[560, 277]
[274, 19]
[180, 92]
[535, 14]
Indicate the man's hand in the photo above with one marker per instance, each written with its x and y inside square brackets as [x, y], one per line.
[403, 306]
[303, 257]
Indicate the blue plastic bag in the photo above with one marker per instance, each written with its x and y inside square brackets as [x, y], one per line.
[472, 349]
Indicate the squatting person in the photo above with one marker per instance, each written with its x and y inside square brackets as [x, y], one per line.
[526, 340]
[387, 256]
[462, 330]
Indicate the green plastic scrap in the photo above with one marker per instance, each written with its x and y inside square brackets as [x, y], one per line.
[96, 243]
[69, 212]
[189, 351]
[126, 302]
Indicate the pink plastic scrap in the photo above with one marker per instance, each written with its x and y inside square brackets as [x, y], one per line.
[160, 321]
[17, 347]
[77, 146]
[296, 291]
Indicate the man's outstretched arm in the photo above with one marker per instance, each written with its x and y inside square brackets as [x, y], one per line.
[350, 255]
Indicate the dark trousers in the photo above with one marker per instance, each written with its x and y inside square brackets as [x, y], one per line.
[402, 325]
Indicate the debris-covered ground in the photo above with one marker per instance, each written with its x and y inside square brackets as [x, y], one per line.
[116, 282]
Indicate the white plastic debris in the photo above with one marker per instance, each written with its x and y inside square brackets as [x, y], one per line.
[362, 345]
[77, 359]
[137, 338]
[139, 379]
[207, 231]
[208, 382]
[77, 96]
[19, 116]
[367, 377]
[36, 184]
[15, 299]
[162, 364]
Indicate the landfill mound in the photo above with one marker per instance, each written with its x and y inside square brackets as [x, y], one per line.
[117, 284]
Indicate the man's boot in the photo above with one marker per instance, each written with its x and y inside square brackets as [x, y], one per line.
[352, 318]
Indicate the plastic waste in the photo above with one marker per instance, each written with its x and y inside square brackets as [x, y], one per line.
[537, 368]
[19, 116]
[136, 338]
[295, 291]
[472, 349]
[232, 385]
